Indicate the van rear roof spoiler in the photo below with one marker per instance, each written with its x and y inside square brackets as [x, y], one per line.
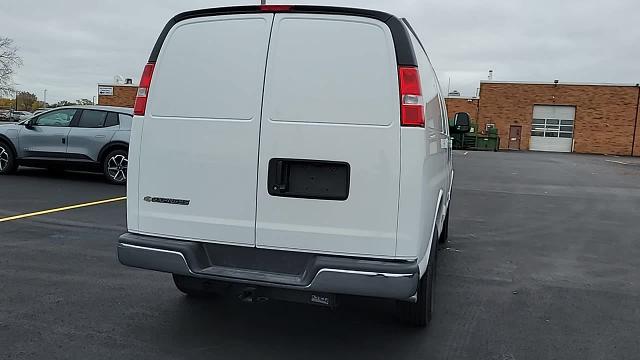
[405, 55]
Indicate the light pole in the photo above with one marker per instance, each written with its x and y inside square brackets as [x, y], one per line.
[15, 85]
[44, 102]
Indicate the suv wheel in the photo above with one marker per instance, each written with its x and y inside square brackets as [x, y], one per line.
[420, 312]
[7, 159]
[115, 167]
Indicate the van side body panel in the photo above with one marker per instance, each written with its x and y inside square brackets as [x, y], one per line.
[425, 178]
[133, 174]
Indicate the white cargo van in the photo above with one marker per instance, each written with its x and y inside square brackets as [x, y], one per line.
[295, 152]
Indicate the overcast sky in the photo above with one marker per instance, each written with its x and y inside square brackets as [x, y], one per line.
[68, 46]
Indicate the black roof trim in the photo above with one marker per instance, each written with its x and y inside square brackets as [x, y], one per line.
[405, 54]
[406, 22]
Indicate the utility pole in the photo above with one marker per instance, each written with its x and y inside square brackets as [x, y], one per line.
[45, 98]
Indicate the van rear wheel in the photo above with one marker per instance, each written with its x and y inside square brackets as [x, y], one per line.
[192, 286]
[420, 313]
[444, 236]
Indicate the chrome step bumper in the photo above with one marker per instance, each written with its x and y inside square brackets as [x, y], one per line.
[318, 273]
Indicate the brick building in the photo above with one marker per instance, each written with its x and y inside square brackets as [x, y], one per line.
[463, 104]
[123, 95]
[582, 118]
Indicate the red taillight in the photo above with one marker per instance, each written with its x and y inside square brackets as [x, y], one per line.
[411, 105]
[143, 90]
[275, 8]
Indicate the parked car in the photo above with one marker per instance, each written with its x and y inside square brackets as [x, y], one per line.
[298, 164]
[19, 115]
[25, 115]
[5, 115]
[94, 138]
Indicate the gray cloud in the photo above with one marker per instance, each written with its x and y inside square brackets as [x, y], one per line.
[69, 46]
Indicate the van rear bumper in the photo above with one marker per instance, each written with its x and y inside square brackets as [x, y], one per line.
[317, 273]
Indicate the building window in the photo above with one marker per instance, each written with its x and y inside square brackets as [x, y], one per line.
[552, 128]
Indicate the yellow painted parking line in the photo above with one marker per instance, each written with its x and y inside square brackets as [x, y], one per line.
[65, 208]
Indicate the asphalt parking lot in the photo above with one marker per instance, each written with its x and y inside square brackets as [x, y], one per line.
[543, 263]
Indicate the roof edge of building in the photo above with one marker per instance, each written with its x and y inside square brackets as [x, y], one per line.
[559, 83]
[462, 97]
[127, 85]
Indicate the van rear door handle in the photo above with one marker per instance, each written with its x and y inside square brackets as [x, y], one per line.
[282, 178]
[100, 136]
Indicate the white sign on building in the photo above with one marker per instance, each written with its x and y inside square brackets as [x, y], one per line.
[105, 90]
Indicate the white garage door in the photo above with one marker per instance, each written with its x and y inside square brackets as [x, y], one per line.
[552, 128]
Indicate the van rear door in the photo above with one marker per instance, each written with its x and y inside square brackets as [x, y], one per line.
[199, 152]
[329, 162]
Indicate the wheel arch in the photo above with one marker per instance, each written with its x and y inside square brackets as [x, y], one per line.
[433, 236]
[5, 139]
[114, 145]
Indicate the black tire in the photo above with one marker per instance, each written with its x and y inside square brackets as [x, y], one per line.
[420, 313]
[444, 235]
[193, 287]
[8, 164]
[115, 165]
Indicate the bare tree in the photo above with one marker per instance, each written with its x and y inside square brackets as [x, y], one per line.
[9, 62]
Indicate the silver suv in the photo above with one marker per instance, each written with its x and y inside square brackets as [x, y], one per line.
[93, 138]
